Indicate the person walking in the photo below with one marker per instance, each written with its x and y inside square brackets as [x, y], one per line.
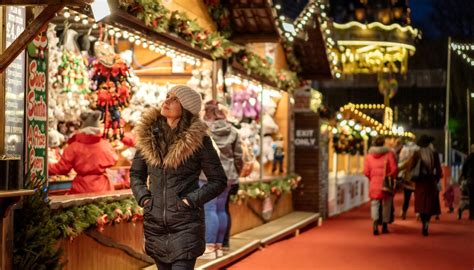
[406, 154]
[468, 176]
[380, 163]
[173, 147]
[227, 141]
[426, 181]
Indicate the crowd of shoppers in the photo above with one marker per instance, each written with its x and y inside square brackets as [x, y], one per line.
[413, 168]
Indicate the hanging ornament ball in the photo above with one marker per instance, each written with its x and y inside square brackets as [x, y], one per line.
[388, 87]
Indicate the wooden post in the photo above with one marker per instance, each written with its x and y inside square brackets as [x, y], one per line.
[2, 84]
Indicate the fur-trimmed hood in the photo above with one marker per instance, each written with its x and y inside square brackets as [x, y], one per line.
[179, 151]
[378, 151]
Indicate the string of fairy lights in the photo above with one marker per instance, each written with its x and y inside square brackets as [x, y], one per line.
[296, 28]
[133, 37]
[461, 49]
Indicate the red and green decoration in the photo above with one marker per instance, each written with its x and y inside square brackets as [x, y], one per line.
[221, 15]
[75, 220]
[254, 64]
[349, 137]
[263, 190]
[156, 16]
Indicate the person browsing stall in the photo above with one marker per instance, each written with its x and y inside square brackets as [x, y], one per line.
[173, 147]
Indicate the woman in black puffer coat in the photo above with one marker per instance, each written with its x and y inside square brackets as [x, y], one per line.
[173, 147]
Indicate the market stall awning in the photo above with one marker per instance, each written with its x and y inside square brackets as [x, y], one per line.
[253, 21]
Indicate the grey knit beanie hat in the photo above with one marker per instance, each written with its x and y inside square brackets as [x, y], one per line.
[190, 99]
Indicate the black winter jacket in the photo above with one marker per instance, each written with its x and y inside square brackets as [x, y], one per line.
[173, 230]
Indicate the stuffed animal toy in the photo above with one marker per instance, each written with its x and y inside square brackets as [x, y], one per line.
[279, 154]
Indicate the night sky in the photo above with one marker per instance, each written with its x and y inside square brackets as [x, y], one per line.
[420, 14]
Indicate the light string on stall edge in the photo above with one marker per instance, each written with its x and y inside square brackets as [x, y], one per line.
[134, 38]
[461, 48]
[379, 127]
[231, 78]
[297, 27]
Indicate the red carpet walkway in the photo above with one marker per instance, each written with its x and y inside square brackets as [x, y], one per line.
[346, 242]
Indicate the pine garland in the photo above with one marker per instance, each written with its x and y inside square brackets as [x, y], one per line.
[74, 220]
[262, 190]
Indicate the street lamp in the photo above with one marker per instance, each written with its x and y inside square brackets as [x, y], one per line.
[469, 95]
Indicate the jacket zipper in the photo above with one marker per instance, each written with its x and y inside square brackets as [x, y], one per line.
[164, 207]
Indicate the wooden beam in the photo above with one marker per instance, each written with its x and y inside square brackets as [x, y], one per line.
[28, 35]
[44, 2]
[255, 37]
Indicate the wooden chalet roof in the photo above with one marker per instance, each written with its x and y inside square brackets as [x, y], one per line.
[253, 21]
[311, 53]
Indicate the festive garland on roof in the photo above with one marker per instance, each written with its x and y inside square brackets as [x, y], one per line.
[254, 64]
[221, 15]
[156, 16]
[293, 61]
[262, 190]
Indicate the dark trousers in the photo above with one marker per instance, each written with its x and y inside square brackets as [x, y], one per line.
[406, 199]
[233, 191]
[177, 265]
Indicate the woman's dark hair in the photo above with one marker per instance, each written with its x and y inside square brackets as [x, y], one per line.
[379, 141]
[184, 123]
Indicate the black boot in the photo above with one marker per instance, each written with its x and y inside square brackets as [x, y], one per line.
[376, 228]
[385, 228]
[424, 229]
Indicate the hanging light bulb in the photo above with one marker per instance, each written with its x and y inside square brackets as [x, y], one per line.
[66, 14]
[111, 32]
[138, 42]
[125, 34]
[85, 21]
[77, 18]
[131, 39]
[95, 26]
[118, 34]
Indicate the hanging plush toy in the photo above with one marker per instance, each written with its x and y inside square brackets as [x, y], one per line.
[112, 88]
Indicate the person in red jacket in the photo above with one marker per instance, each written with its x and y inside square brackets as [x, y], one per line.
[89, 155]
[380, 162]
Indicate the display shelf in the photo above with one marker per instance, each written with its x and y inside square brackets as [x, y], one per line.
[64, 201]
[16, 193]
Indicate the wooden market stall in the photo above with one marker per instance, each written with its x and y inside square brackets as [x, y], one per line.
[350, 139]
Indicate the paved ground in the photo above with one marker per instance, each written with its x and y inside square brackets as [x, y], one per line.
[346, 242]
